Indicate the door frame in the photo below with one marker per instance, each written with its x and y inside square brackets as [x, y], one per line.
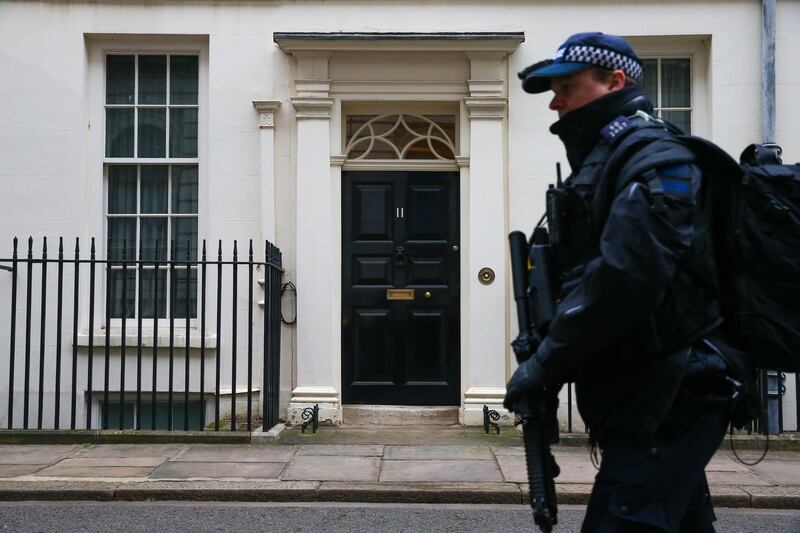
[458, 308]
[332, 70]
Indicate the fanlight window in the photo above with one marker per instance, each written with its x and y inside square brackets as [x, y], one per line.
[402, 136]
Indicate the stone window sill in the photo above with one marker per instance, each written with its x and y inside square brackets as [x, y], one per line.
[131, 340]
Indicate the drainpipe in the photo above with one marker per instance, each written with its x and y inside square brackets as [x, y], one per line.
[768, 71]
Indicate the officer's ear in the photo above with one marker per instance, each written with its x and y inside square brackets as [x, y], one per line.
[616, 80]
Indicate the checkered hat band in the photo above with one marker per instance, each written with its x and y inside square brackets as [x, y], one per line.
[603, 57]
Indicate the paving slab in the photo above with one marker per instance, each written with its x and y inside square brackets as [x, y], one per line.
[95, 462]
[19, 470]
[239, 491]
[60, 470]
[778, 472]
[355, 450]
[573, 469]
[774, 497]
[438, 452]
[205, 469]
[508, 450]
[507, 493]
[22, 454]
[723, 463]
[330, 468]
[734, 478]
[436, 470]
[130, 450]
[236, 453]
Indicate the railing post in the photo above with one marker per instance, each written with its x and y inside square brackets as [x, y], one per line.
[25, 399]
[154, 383]
[219, 335]
[250, 338]
[187, 333]
[92, 268]
[172, 294]
[233, 336]
[137, 420]
[124, 319]
[107, 351]
[203, 338]
[60, 301]
[266, 365]
[13, 340]
[75, 304]
[42, 329]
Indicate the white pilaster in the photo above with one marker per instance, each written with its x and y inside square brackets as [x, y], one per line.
[317, 371]
[487, 307]
[266, 124]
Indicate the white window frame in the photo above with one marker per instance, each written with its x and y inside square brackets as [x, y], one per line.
[697, 49]
[657, 107]
[98, 47]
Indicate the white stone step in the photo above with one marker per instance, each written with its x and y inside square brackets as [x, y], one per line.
[399, 415]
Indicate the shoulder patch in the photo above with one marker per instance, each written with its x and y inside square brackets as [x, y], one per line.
[676, 180]
[612, 130]
[674, 171]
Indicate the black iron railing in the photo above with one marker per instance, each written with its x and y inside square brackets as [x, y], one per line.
[142, 297]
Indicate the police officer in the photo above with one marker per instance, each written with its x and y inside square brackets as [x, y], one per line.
[638, 326]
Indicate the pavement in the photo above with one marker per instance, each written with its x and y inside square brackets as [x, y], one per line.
[355, 464]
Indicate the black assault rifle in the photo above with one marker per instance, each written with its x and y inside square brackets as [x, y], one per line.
[538, 412]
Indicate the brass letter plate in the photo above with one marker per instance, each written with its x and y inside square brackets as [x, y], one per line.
[399, 294]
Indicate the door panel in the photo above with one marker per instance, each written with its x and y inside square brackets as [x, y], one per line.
[400, 230]
[372, 334]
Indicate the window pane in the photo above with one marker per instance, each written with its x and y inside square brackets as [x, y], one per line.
[183, 80]
[123, 301]
[121, 234]
[119, 132]
[183, 132]
[675, 83]
[179, 285]
[682, 119]
[149, 295]
[184, 189]
[154, 188]
[650, 82]
[114, 413]
[122, 189]
[152, 132]
[152, 79]
[153, 229]
[184, 230]
[119, 79]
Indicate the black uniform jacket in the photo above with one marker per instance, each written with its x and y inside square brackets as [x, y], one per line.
[628, 326]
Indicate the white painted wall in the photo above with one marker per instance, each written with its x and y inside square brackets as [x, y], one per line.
[49, 163]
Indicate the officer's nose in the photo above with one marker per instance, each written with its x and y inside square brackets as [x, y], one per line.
[556, 103]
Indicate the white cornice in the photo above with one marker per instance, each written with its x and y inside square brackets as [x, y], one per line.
[377, 42]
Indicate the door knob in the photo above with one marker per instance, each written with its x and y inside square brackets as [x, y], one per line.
[427, 294]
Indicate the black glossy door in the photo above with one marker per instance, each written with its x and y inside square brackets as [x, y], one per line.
[400, 230]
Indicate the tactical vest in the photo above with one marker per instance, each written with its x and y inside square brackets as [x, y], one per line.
[687, 310]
